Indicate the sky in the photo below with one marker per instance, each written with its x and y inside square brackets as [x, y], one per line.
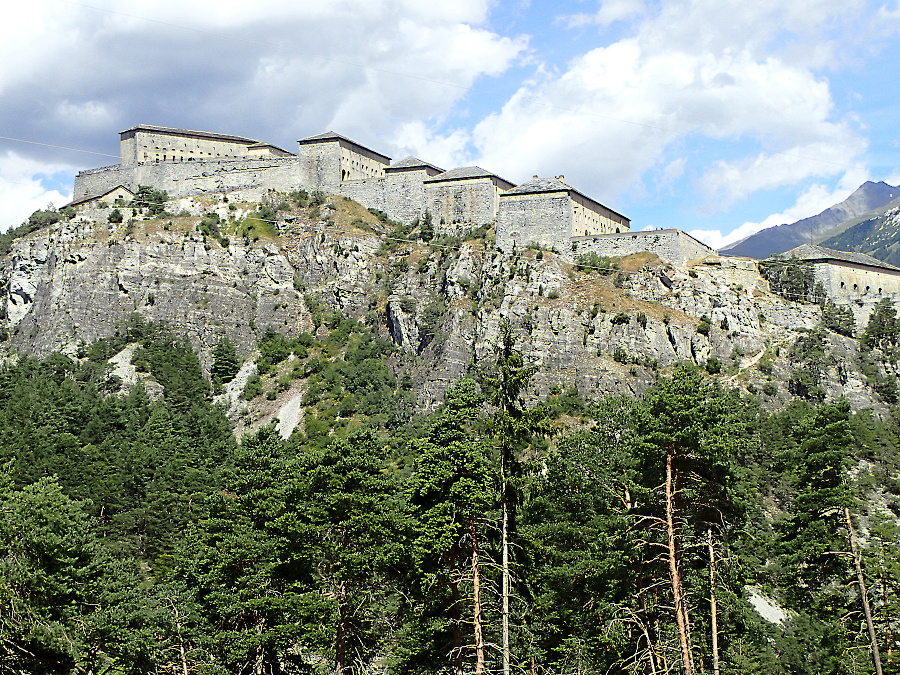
[717, 117]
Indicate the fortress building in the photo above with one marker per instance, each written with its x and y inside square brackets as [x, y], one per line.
[548, 212]
[146, 143]
[543, 211]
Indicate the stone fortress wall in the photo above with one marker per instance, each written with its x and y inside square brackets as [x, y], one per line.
[672, 245]
[544, 211]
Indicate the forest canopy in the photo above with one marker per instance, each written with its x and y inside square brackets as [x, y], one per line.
[622, 535]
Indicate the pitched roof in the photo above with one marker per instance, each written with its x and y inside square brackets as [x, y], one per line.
[189, 132]
[536, 185]
[411, 162]
[329, 136]
[82, 200]
[463, 173]
[816, 252]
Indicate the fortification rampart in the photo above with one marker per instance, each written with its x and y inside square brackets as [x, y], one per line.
[184, 179]
[400, 195]
[672, 245]
[544, 219]
[460, 204]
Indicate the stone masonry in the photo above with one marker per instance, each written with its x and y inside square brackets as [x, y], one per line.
[544, 211]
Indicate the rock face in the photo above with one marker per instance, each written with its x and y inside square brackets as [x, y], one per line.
[441, 305]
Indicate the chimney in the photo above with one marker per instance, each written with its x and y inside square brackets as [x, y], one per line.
[561, 179]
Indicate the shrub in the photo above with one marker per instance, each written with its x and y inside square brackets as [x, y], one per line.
[115, 216]
[620, 318]
[594, 262]
[713, 365]
[704, 325]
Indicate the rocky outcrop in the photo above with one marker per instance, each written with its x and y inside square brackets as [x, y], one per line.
[441, 305]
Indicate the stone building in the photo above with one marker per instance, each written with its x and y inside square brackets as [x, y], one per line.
[117, 195]
[147, 143]
[400, 193]
[853, 279]
[548, 212]
[464, 198]
[544, 211]
[844, 273]
[329, 159]
[669, 244]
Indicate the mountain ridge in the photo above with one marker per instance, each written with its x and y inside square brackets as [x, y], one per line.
[773, 240]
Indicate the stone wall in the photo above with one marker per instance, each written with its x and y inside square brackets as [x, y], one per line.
[858, 287]
[320, 166]
[462, 203]
[358, 164]
[138, 147]
[185, 179]
[673, 246]
[543, 218]
[400, 195]
[589, 217]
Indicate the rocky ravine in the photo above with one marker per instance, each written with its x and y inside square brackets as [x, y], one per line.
[440, 305]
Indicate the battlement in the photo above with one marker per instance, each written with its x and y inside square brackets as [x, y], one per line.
[543, 211]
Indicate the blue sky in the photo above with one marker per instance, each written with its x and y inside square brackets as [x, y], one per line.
[718, 117]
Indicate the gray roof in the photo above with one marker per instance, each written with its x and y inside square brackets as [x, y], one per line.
[463, 173]
[816, 252]
[82, 200]
[540, 185]
[189, 132]
[413, 163]
[333, 136]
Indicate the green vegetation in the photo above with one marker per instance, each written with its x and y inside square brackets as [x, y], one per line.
[594, 262]
[624, 534]
[151, 199]
[792, 278]
[209, 227]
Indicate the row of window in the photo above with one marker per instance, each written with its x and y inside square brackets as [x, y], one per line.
[856, 288]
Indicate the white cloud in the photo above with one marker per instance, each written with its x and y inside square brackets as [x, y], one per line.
[742, 73]
[608, 12]
[811, 202]
[21, 194]
[275, 70]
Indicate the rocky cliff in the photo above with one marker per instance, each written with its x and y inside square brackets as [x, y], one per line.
[439, 302]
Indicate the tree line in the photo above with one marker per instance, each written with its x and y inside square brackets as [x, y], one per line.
[623, 535]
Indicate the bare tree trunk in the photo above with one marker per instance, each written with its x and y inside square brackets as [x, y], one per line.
[340, 641]
[712, 602]
[476, 601]
[259, 668]
[505, 588]
[867, 609]
[677, 591]
[455, 616]
[179, 626]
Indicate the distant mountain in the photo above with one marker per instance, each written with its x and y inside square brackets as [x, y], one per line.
[878, 237]
[867, 197]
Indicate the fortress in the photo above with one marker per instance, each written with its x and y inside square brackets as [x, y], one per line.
[543, 211]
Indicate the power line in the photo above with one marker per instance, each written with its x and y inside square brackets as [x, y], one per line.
[420, 78]
[58, 147]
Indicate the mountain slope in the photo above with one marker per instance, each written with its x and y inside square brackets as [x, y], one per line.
[781, 238]
[878, 237]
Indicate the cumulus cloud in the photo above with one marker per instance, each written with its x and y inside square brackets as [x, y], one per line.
[21, 190]
[608, 12]
[276, 70]
[812, 201]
